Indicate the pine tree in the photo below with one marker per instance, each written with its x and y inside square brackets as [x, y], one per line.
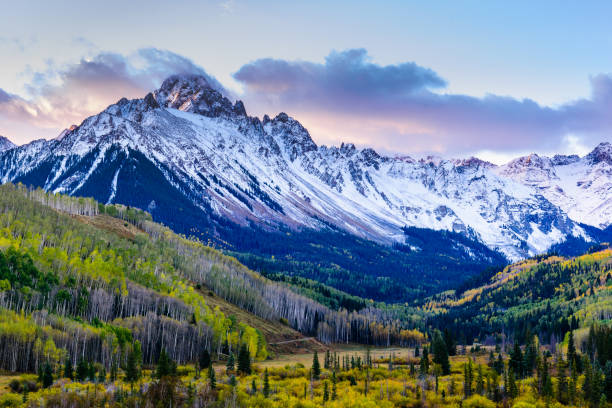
[230, 363]
[91, 372]
[325, 392]
[316, 367]
[253, 387]
[572, 358]
[165, 365]
[513, 391]
[334, 394]
[516, 360]
[82, 370]
[440, 353]
[266, 384]
[467, 378]
[416, 351]
[326, 361]
[480, 384]
[562, 384]
[68, 371]
[47, 376]
[204, 359]
[424, 364]
[244, 360]
[212, 377]
[131, 371]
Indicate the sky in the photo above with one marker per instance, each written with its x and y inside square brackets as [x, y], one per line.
[492, 79]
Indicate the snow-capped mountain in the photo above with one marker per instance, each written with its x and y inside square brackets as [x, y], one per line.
[193, 158]
[581, 187]
[5, 144]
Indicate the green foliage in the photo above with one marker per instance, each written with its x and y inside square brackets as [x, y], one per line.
[244, 360]
[316, 366]
[47, 375]
[440, 353]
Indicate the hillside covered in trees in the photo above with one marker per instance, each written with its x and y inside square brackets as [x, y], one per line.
[78, 279]
[546, 295]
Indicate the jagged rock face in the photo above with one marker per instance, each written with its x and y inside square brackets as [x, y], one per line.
[187, 149]
[5, 144]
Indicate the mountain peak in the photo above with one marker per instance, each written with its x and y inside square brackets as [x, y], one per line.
[601, 153]
[6, 144]
[195, 94]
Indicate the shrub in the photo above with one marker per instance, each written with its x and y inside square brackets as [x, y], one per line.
[10, 400]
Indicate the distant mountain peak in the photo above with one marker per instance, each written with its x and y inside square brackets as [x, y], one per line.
[601, 153]
[6, 144]
[195, 94]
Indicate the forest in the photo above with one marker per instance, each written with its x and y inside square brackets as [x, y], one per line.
[80, 278]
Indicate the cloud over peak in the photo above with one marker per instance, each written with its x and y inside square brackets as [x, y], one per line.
[68, 94]
[403, 107]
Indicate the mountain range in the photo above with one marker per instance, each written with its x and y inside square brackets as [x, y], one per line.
[200, 164]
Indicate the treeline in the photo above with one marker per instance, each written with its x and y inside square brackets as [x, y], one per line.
[547, 296]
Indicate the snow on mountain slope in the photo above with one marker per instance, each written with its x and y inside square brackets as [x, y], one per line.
[187, 139]
[5, 144]
[581, 187]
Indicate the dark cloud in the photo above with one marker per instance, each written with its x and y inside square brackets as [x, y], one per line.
[403, 107]
[65, 95]
[345, 74]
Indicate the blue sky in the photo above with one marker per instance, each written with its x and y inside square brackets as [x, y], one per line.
[552, 53]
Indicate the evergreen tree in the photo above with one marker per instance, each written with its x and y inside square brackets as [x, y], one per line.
[416, 351]
[244, 360]
[440, 353]
[212, 377]
[516, 360]
[334, 394]
[424, 364]
[91, 372]
[233, 381]
[468, 376]
[253, 387]
[266, 384]
[82, 370]
[230, 363]
[132, 373]
[480, 383]
[316, 367]
[165, 365]
[47, 376]
[326, 361]
[562, 383]
[512, 388]
[451, 345]
[204, 359]
[572, 357]
[325, 392]
[499, 364]
[68, 371]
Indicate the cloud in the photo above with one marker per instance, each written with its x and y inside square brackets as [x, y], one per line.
[68, 94]
[403, 108]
